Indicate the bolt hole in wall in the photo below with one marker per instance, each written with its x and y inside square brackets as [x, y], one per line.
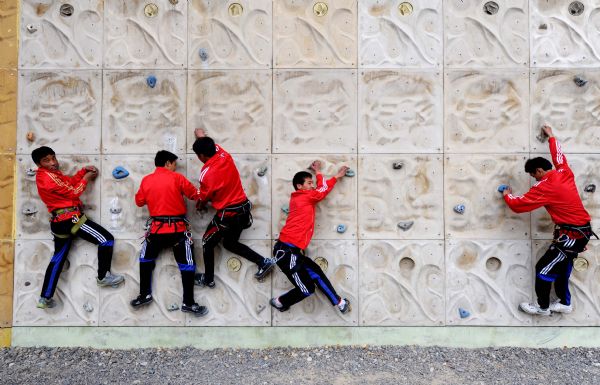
[430, 135]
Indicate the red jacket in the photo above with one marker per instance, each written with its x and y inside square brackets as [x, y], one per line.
[58, 191]
[220, 181]
[163, 192]
[557, 192]
[300, 224]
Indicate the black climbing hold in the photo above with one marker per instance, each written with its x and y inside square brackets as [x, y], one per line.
[66, 10]
[590, 188]
[580, 81]
[576, 8]
[491, 7]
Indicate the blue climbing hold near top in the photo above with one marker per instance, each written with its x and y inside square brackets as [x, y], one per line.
[463, 313]
[120, 173]
[151, 81]
[203, 54]
[341, 229]
[502, 187]
[460, 209]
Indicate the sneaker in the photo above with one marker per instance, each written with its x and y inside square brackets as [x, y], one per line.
[344, 306]
[558, 307]
[110, 279]
[534, 308]
[199, 280]
[277, 305]
[141, 300]
[195, 309]
[45, 303]
[265, 269]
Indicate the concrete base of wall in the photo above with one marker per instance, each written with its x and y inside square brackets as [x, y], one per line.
[261, 337]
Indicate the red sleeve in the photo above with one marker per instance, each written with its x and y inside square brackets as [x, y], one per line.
[323, 188]
[188, 189]
[558, 158]
[52, 183]
[140, 196]
[77, 177]
[533, 199]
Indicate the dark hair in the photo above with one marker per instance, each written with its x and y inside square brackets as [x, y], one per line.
[300, 177]
[204, 146]
[41, 152]
[534, 163]
[163, 156]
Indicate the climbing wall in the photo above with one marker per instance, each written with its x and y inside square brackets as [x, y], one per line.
[432, 104]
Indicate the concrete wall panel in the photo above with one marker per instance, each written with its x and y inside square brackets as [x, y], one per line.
[51, 39]
[401, 283]
[389, 198]
[306, 36]
[475, 36]
[338, 208]
[76, 287]
[486, 111]
[234, 107]
[137, 35]
[572, 110]
[314, 111]
[32, 217]
[394, 36]
[238, 298]
[223, 35]
[472, 181]
[562, 39]
[400, 111]
[342, 270]
[488, 280]
[62, 109]
[140, 119]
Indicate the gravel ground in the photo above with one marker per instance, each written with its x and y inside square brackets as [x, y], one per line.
[330, 365]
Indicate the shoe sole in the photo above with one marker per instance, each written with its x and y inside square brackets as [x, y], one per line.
[562, 311]
[142, 304]
[194, 313]
[117, 284]
[263, 275]
[535, 313]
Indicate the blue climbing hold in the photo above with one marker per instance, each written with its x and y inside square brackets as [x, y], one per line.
[151, 81]
[502, 187]
[460, 209]
[341, 229]
[120, 173]
[350, 173]
[463, 313]
[203, 54]
[285, 209]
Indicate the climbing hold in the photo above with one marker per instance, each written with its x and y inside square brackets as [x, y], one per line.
[322, 262]
[502, 187]
[115, 210]
[463, 313]
[542, 136]
[174, 2]
[235, 9]
[580, 264]
[576, 8]
[460, 209]
[30, 172]
[405, 225]
[151, 81]
[350, 173]
[579, 81]
[66, 10]
[172, 307]
[285, 209]
[491, 7]
[88, 307]
[29, 210]
[234, 264]
[590, 188]
[31, 28]
[543, 26]
[320, 9]
[261, 171]
[341, 229]
[405, 8]
[30, 136]
[203, 54]
[151, 10]
[398, 165]
[120, 173]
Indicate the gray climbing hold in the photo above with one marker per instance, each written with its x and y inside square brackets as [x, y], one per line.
[590, 188]
[502, 187]
[285, 209]
[66, 10]
[579, 81]
[460, 209]
[542, 136]
[173, 307]
[405, 225]
[262, 171]
[151, 81]
[115, 210]
[31, 28]
[491, 7]
[341, 229]
[543, 26]
[29, 210]
[203, 54]
[350, 173]
[30, 172]
[576, 8]
[398, 165]
[463, 313]
[88, 307]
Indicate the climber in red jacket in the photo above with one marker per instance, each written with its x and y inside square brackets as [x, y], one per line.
[556, 191]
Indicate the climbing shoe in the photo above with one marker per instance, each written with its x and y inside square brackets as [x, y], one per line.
[141, 300]
[195, 309]
[265, 269]
[277, 305]
[534, 309]
[200, 280]
[45, 303]
[110, 279]
[344, 306]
